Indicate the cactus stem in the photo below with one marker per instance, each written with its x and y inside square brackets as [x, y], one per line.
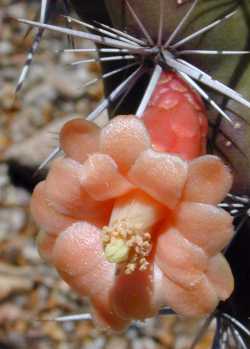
[161, 23]
[180, 25]
[140, 24]
[203, 30]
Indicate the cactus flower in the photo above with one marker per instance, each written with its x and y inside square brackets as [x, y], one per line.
[134, 228]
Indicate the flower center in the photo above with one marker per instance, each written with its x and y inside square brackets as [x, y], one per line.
[127, 243]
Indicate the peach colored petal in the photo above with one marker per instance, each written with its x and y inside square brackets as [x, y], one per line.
[45, 215]
[160, 175]
[205, 225]
[124, 138]
[101, 179]
[67, 196]
[209, 180]
[181, 261]
[197, 301]
[78, 138]
[45, 243]
[132, 295]
[79, 258]
[220, 275]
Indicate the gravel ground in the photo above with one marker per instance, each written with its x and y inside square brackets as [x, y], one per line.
[30, 290]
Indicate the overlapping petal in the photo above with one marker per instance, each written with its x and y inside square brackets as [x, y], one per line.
[196, 301]
[66, 195]
[209, 180]
[101, 178]
[205, 225]
[179, 259]
[124, 138]
[160, 175]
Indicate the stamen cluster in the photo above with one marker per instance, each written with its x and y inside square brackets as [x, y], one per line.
[127, 244]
